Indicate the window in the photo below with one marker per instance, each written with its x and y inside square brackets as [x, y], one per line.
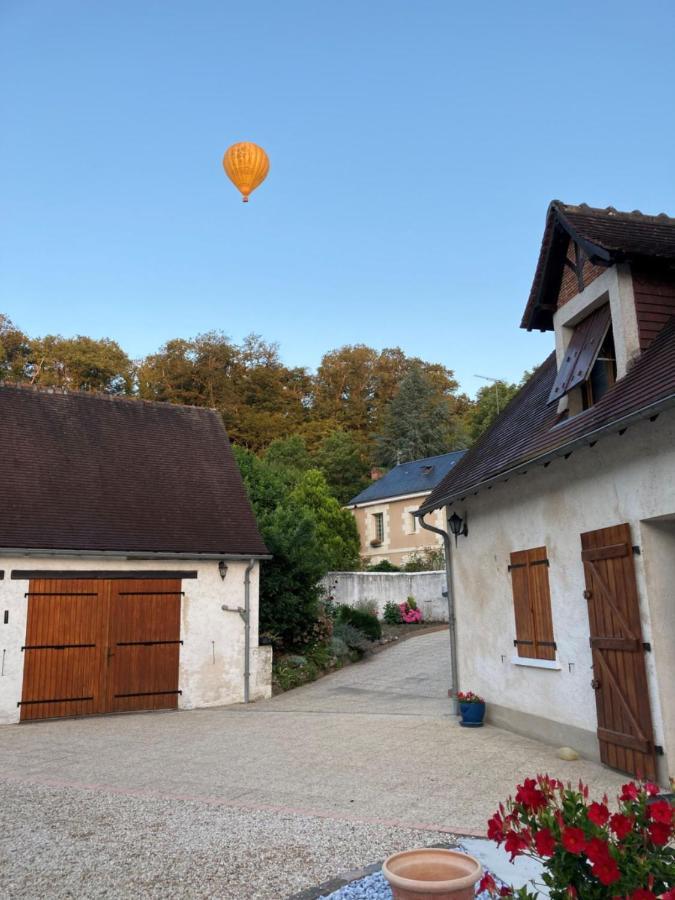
[603, 373]
[413, 523]
[532, 604]
[379, 526]
[585, 347]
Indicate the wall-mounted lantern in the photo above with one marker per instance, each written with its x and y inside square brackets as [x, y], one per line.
[457, 526]
[222, 568]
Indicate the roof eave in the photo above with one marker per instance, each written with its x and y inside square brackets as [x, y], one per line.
[649, 411]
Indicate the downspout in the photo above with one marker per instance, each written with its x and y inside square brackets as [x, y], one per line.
[247, 629]
[452, 626]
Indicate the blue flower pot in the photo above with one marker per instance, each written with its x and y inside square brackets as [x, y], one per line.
[472, 714]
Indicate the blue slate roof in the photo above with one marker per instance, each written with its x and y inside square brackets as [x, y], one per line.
[414, 477]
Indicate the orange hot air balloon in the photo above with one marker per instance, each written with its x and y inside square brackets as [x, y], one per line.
[246, 165]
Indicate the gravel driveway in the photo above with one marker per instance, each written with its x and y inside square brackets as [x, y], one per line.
[258, 801]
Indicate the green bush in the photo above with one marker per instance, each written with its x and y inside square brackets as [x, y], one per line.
[339, 648]
[384, 566]
[392, 613]
[364, 621]
[428, 560]
[367, 606]
[412, 603]
[352, 637]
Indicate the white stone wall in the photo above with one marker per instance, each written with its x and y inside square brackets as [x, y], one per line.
[627, 478]
[383, 587]
[211, 669]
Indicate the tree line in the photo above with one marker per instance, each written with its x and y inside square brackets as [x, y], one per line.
[361, 408]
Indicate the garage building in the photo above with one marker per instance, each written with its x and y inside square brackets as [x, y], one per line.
[129, 559]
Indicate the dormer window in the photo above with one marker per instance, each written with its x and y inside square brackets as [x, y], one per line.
[589, 360]
[603, 372]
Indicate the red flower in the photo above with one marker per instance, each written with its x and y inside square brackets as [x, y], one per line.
[661, 812]
[669, 895]
[515, 844]
[487, 883]
[598, 814]
[573, 840]
[621, 825]
[659, 833]
[495, 829]
[545, 842]
[597, 850]
[529, 795]
[606, 871]
[651, 788]
[629, 791]
[642, 894]
[505, 892]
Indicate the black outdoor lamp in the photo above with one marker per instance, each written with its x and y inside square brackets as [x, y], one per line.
[222, 568]
[457, 525]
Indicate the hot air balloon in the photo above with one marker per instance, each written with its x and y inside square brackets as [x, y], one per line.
[246, 165]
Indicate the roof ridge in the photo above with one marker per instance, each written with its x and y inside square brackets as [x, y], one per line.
[28, 388]
[611, 212]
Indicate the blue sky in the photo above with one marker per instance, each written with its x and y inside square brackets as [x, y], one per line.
[414, 149]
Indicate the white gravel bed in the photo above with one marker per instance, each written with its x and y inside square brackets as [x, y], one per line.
[58, 843]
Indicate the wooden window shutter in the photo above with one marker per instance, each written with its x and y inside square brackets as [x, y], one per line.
[532, 604]
[581, 352]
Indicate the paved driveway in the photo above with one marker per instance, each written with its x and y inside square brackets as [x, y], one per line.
[256, 801]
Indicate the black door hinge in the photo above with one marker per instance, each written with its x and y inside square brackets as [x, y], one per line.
[636, 550]
[647, 646]
[658, 749]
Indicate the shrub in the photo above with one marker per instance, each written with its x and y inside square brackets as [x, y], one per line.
[352, 637]
[384, 566]
[392, 613]
[364, 621]
[409, 611]
[428, 560]
[586, 850]
[339, 648]
[367, 606]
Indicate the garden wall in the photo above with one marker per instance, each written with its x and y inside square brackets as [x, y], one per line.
[426, 587]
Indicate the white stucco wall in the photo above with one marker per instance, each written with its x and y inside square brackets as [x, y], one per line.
[384, 587]
[626, 478]
[211, 669]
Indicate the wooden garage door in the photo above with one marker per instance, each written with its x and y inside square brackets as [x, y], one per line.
[98, 646]
[620, 679]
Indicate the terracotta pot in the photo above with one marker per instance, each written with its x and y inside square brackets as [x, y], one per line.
[441, 874]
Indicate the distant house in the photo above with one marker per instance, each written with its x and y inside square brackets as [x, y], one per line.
[384, 510]
[564, 585]
[129, 559]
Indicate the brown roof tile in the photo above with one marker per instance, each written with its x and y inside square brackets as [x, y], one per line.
[529, 430]
[91, 472]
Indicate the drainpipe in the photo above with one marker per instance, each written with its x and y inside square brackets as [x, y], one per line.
[247, 629]
[454, 676]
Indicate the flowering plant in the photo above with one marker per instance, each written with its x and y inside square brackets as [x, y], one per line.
[409, 611]
[469, 697]
[587, 851]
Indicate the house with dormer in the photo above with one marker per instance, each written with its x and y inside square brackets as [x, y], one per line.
[563, 569]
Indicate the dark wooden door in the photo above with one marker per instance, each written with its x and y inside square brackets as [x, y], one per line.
[144, 644]
[620, 680]
[98, 646]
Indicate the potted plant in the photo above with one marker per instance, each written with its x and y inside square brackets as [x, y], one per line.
[431, 872]
[588, 851]
[471, 709]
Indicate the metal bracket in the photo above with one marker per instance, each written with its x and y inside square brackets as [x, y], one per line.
[238, 609]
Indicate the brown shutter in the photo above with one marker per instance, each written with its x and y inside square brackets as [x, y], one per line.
[532, 604]
[581, 352]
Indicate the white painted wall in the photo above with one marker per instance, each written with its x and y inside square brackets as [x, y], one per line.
[384, 587]
[625, 478]
[211, 669]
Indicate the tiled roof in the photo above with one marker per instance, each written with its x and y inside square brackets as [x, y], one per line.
[92, 472]
[607, 236]
[416, 477]
[529, 431]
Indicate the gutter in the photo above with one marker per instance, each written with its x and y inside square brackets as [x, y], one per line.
[126, 554]
[454, 674]
[247, 629]
[588, 439]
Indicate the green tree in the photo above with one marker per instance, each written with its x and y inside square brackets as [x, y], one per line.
[420, 422]
[490, 401]
[15, 351]
[343, 463]
[336, 531]
[289, 453]
[81, 363]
